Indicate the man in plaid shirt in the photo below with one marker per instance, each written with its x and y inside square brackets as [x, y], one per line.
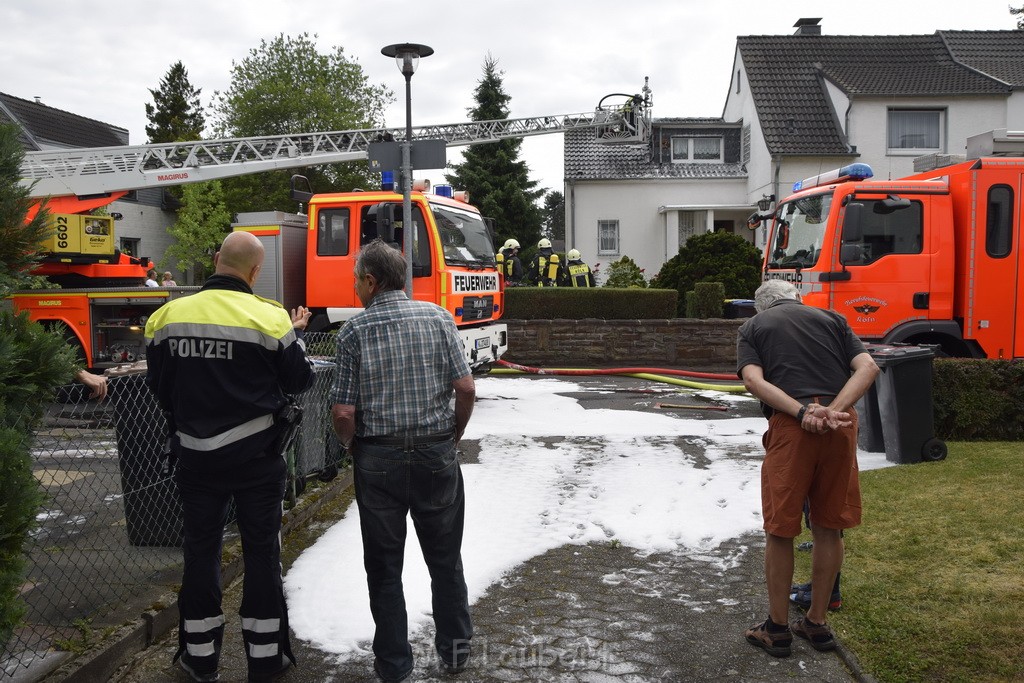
[399, 362]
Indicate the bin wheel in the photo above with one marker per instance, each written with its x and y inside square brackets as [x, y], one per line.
[933, 450]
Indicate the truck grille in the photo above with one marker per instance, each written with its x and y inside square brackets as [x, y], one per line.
[477, 307]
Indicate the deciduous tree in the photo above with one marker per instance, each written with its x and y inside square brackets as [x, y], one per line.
[497, 181]
[288, 86]
[203, 222]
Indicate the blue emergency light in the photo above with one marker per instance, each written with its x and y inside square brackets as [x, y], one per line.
[387, 181]
[443, 190]
[838, 175]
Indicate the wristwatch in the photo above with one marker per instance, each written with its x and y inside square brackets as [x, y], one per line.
[800, 414]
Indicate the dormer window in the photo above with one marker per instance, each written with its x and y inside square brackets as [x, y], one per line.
[696, 149]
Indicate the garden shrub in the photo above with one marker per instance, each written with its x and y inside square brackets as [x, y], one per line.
[712, 257]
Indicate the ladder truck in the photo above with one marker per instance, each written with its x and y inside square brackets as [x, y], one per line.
[102, 308]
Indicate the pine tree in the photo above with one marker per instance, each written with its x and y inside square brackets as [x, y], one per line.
[202, 224]
[176, 114]
[497, 181]
[32, 362]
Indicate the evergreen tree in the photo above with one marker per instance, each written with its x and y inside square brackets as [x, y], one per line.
[32, 362]
[203, 222]
[1019, 13]
[712, 257]
[286, 86]
[19, 240]
[497, 182]
[554, 216]
[176, 114]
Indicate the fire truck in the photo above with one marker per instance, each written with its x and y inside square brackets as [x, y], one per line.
[932, 258]
[102, 309]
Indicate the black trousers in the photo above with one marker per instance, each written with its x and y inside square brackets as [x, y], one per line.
[258, 491]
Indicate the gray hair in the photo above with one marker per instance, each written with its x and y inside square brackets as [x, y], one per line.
[385, 263]
[772, 291]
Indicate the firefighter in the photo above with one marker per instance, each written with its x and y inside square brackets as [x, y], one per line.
[509, 264]
[220, 363]
[576, 272]
[545, 269]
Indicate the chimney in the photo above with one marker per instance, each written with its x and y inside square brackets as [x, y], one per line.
[808, 27]
[39, 100]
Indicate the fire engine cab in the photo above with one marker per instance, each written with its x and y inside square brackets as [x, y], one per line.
[933, 258]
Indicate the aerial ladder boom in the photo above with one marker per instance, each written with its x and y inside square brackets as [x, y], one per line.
[103, 174]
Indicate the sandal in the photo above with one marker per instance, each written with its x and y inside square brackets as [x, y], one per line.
[818, 635]
[778, 644]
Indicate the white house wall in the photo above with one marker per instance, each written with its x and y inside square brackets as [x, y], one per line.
[739, 106]
[643, 229]
[965, 116]
[1015, 111]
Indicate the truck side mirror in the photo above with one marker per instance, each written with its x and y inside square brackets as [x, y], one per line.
[853, 231]
[851, 253]
[892, 203]
[301, 190]
[386, 222]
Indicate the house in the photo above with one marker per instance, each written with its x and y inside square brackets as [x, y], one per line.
[146, 213]
[798, 105]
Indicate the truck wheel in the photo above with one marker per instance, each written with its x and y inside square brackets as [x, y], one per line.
[933, 450]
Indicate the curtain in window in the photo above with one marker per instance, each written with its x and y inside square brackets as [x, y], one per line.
[705, 149]
[608, 237]
[680, 148]
[691, 222]
[913, 129]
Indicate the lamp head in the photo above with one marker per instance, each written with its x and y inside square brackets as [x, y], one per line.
[407, 56]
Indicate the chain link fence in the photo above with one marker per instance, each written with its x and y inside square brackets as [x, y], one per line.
[108, 533]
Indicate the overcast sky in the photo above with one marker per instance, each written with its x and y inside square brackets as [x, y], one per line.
[100, 58]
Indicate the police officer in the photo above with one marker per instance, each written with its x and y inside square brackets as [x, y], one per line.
[509, 264]
[220, 363]
[545, 269]
[577, 273]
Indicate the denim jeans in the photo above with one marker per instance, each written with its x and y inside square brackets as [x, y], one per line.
[427, 482]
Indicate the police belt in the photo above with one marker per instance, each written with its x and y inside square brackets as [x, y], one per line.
[407, 441]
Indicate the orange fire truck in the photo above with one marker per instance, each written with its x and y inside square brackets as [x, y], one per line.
[933, 258]
[309, 260]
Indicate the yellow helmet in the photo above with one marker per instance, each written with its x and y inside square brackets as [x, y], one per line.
[544, 243]
[574, 255]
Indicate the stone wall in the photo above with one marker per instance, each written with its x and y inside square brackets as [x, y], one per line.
[682, 342]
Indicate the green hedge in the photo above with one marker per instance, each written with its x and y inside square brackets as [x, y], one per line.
[978, 400]
[604, 303]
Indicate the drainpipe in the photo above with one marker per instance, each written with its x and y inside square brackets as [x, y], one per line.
[572, 214]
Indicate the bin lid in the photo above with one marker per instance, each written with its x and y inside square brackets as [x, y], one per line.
[893, 354]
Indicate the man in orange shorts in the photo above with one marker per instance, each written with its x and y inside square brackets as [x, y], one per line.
[807, 368]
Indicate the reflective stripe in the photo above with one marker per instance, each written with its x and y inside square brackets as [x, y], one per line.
[200, 649]
[261, 625]
[224, 332]
[212, 443]
[259, 651]
[203, 625]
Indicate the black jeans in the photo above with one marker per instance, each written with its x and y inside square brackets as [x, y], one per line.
[258, 491]
[427, 482]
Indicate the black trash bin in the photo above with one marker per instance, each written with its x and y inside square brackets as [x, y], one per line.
[152, 509]
[902, 397]
[739, 308]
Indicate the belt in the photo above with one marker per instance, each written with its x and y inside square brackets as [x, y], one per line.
[408, 441]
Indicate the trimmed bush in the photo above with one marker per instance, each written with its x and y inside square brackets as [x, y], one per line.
[575, 303]
[978, 399]
[712, 257]
[625, 273]
[708, 299]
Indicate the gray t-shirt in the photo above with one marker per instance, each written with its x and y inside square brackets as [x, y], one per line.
[805, 351]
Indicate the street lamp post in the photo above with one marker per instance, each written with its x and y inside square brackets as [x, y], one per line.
[407, 56]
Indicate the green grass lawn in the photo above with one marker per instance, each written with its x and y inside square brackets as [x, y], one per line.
[933, 584]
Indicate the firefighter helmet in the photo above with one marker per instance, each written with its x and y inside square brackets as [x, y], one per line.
[544, 243]
[510, 244]
[574, 255]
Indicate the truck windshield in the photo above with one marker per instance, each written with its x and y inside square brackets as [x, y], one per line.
[463, 236]
[799, 230]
